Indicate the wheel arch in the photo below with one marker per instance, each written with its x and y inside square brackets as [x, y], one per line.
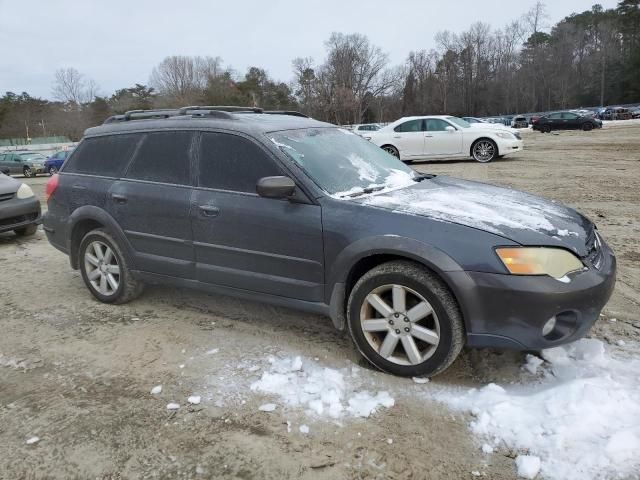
[359, 258]
[388, 144]
[87, 218]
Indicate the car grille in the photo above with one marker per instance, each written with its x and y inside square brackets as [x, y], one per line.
[6, 196]
[517, 135]
[594, 249]
[5, 222]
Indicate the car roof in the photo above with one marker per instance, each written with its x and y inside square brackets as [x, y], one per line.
[253, 123]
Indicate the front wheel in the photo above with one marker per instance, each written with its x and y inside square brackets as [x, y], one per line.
[392, 150]
[104, 269]
[587, 126]
[53, 171]
[546, 129]
[27, 172]
[404, 320]
[484, 150]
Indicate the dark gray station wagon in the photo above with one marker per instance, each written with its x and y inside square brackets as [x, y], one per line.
[277, 207]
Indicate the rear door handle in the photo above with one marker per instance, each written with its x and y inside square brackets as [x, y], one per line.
[119, 199]
[397, 136]
[209, 210]
[429, 136]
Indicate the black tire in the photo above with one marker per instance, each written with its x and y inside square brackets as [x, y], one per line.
[546, 129]
[26, 231]
[129, 287]
[391, 150]
[429, 286]
[483, 159]
[27, 172]
[587, 126]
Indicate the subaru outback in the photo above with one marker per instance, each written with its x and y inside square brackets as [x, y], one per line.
[280, 208]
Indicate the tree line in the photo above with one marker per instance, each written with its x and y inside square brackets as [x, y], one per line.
[586, 59]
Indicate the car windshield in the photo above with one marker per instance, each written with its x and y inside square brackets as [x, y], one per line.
[32, 156]
[341, 163]
[459, 122]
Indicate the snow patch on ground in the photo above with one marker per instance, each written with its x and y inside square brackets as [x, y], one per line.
[582, 419]
[321, 391]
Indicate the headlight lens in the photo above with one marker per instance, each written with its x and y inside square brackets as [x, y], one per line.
[554, 262]
[507, 135]
[24, 191]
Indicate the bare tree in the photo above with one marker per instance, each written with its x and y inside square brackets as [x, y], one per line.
[185, 78]
[71, 87]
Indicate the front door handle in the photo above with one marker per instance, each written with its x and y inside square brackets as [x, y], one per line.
[119, 199]
[209, 210]
[397, 136]
[429, 136]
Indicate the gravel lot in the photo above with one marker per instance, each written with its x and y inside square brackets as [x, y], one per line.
[77, 374]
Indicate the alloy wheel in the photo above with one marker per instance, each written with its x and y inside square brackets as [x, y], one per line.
[101, 267]
[28, 172]
[484, 151]
[392, 151]
[400, 324]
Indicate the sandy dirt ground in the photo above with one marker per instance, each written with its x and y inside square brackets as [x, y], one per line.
[78, 374]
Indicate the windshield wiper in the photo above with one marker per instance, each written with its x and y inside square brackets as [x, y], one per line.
[363, 191]
[423, 176]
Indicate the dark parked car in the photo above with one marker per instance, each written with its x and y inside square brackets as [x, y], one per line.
[19, 207]
[23, 162]
[55, 161]
[565, 121]
[281, 208]
[615, 113]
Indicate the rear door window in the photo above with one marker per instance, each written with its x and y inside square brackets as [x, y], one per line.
[103, 156]
[231, 162]
[410, 126]
[163, 157]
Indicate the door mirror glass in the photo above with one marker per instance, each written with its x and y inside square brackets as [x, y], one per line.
[450, 129]
[275, 187]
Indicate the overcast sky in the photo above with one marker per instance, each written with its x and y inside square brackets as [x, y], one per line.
[117, 42]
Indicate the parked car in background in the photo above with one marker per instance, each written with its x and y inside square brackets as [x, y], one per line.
[19, 207]
[288, 210]
[615, 113]
[519, 121]
[23, 162]
[444, 136]
[55, 161]
[635, 112]
[363, 128]
[481, 123]
[565, 121]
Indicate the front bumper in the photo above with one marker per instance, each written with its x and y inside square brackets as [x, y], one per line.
[508, 147]
[16, 213]
[509, 311]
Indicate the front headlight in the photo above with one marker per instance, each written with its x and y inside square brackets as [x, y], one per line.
[24, 192]
[554, 262]
[506, 135]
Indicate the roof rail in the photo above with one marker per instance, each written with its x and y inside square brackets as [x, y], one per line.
[286, 112]
[221, 108]
[141, 115]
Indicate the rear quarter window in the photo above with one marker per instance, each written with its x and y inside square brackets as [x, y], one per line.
[104, 156]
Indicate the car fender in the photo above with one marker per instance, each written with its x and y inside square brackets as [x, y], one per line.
[411, 249]
[90, 212]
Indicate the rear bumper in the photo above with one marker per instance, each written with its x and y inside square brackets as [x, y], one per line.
[16, 213]
[509, 311]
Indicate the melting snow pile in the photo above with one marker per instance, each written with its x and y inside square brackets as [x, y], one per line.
[320, 390]
[582, 420]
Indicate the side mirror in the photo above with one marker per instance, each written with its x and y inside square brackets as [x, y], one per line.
[275, 187]
[450, 129]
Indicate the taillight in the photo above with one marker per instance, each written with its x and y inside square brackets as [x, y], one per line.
[52, 184]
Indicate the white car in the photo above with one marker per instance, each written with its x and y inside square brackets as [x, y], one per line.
[364, 128]
[444, 136]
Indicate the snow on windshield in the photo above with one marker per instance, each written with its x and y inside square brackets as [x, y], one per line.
[342, 163]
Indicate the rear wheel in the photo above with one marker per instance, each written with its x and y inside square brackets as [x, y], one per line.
[53, 171]
[484, 150]
[392, 150]
[104, 269]
[404, 320]
[587, 126]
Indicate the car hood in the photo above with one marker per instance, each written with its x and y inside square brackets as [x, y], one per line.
[8, 184]
[518, 216]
